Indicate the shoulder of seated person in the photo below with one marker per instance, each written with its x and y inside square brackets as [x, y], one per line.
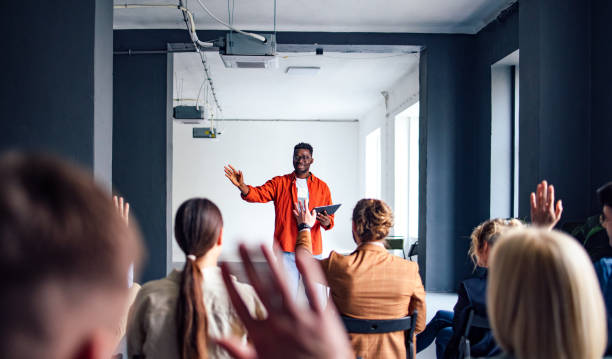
[157, 290]
[406, 264]
[158, 284]
[158, 298]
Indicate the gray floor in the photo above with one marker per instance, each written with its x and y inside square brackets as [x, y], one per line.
[435, 302]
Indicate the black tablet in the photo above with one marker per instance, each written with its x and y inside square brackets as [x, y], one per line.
[331, 209]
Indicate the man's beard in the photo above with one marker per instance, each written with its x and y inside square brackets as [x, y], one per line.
[301, 172]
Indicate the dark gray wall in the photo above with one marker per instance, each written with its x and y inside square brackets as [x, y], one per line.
[56, 86]
[454, 196]
[601, 95]
[141, 156]
[555, 95]
[468, 123]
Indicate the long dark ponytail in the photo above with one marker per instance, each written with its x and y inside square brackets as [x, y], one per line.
[197, 226]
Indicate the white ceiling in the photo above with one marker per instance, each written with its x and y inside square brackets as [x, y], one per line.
[421, 16]
[347, 85]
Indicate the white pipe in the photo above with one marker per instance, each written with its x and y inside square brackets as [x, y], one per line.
[255, 36]
[191, 26]
[194, 37]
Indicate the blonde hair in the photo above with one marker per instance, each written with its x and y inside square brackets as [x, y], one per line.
[488, 232]
[543, 297]
[373, 219]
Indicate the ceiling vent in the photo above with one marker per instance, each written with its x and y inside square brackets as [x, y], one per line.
[245, 52]
[250, 62]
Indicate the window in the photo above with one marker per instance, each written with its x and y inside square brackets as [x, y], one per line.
[407, 173]
[373, 165]
[504, 137]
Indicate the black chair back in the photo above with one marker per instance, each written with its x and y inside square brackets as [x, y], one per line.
[414, 250]
[473, 321]
[379, 326]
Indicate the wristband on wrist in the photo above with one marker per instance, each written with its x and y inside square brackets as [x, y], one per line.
[303, 226]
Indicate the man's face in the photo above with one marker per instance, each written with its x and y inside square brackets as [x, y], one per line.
[302, 160]
[606, 221]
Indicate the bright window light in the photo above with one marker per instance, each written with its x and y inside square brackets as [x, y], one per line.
[373, 165]
[406, 196]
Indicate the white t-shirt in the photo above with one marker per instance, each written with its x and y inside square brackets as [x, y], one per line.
[302, 189]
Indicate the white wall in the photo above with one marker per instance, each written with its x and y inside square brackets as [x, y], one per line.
[263, 150]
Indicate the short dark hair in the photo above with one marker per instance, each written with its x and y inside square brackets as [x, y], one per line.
[605, 194]
[303, 146]
[57, 228]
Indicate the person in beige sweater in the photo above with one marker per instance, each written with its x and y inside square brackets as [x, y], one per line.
[176, 317]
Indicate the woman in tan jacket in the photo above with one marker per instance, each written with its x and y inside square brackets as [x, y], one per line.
[174, 316]
[370, 283]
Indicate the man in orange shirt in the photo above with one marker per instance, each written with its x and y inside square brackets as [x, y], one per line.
[286, 191]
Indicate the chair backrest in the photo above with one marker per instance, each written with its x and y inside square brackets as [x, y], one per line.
[395, 243]
[379, 326]
[473, 321]
[414, 249]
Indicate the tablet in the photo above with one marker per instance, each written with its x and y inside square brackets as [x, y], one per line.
[331, 209]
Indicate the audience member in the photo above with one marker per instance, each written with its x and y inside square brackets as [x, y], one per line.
[543, 297]
[370, 283]
[541, 204]
[446, 326]
[172, 317]
[64, 258]
[288, 331]
[603, 267]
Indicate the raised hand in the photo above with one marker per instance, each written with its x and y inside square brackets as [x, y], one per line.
[123, 208]
[288, 331]
[302, 215]
[235, 176]
[544, 213]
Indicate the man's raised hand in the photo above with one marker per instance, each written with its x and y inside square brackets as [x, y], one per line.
[236, 178]
[234, 175]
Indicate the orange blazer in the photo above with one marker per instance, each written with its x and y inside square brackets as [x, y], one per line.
[283, 192]
[370, 283]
